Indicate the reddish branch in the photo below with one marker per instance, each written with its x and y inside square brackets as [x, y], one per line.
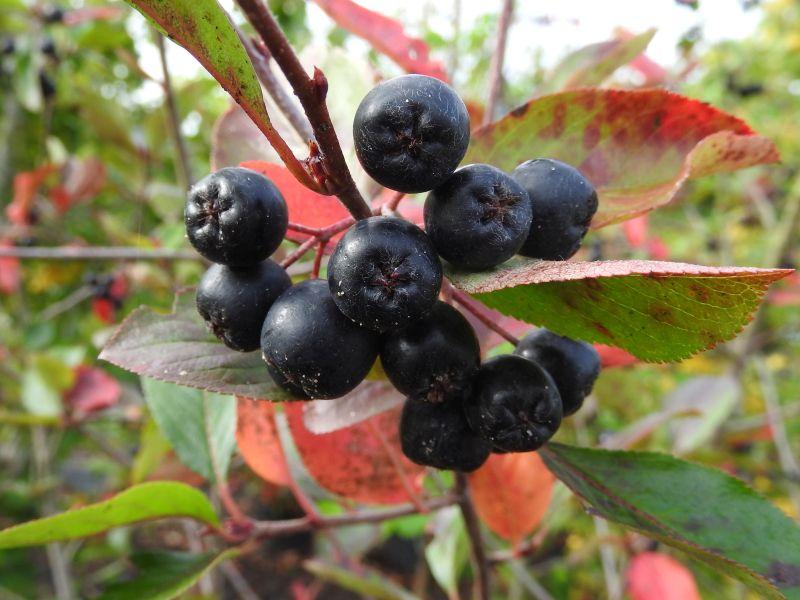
[476, 539]
[480, 312]
[496, 68]
[326, 162]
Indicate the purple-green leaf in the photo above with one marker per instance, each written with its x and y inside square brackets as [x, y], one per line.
[706, 513]
[178, 347]
[657, 311]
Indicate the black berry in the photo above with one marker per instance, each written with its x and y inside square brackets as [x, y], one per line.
[236, 217]
[478, 218]
[7, 46]
[563, 203]
[514, 404]
[47, 85]
[48, 47]
[235, 301]
[573, 365]
[411, 132]
[438, 435]
[435, 358]
[311, 347]
[384, 273]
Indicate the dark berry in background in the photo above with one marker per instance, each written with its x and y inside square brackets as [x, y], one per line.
[563, 203]
[234, 301]
[438, 435]
[52, 14]
[434, 359]
[384, 273]
[514, 404]
[310, 346]
[411, 132]
[235, 217]
[573, 365]
[478, 218]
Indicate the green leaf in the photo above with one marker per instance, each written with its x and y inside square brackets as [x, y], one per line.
[143, 502]
[153, 447]
[204, 29]
[368, 583]
[448, 553]
[179, 348]
[593, 64]
[201, 426]
[657, 311]
[637, 147]
[698, 509]
[165, 575]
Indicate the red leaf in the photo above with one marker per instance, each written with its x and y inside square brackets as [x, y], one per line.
[305, 207]
[386, 35]
[511, 493]
[637, 147]
[654, 576]
[361, 462]
[9, 271]
[83, 179]
[258, 440]
[611, 356]
[26, 184]
[93, 390]
[104, 309]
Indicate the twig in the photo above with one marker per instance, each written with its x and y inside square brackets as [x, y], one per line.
[455, 51]
[269, 529]
[59, 569]
[237, 581]
[97, 253]
[398, 466]
[479, 311]
[260, 58]
[173, 117]
[786, 457]
[329, 167]
[528, 581]
[496, 68]
[107, 447]
[475, 538]
[82, 293]
[300, 228]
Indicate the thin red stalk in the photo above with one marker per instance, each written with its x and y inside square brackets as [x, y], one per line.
[475, 537]
[299, 252]
[230, 504]
[300, 228]
[480, 312]
[329, 167]
[318, 260]
[496, 68]
[394, 201]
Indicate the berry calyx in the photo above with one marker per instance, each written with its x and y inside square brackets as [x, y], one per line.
[435, 358]
[574, 365]
[384, 273]
[438, 435]
[514, 404]
[234, 301]
[411, 132]
[478, 218]
[235, 217]
[311, 348]
[563, 203]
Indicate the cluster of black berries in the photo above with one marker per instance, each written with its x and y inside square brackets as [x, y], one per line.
[320, 338]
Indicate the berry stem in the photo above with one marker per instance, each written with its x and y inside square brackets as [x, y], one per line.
[299, 252]
[480, 311]
[318, 259]
[496, 67]
[300, 228]
[328, 166]
[475, 537]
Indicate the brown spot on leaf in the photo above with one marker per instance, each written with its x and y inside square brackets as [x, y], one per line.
[604, 330]
[784, 574]
[661, 313]
[556, 127]
[698, 292]
[591, 136]
[520, 111]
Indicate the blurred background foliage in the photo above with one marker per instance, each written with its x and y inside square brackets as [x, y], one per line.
[75, 96]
